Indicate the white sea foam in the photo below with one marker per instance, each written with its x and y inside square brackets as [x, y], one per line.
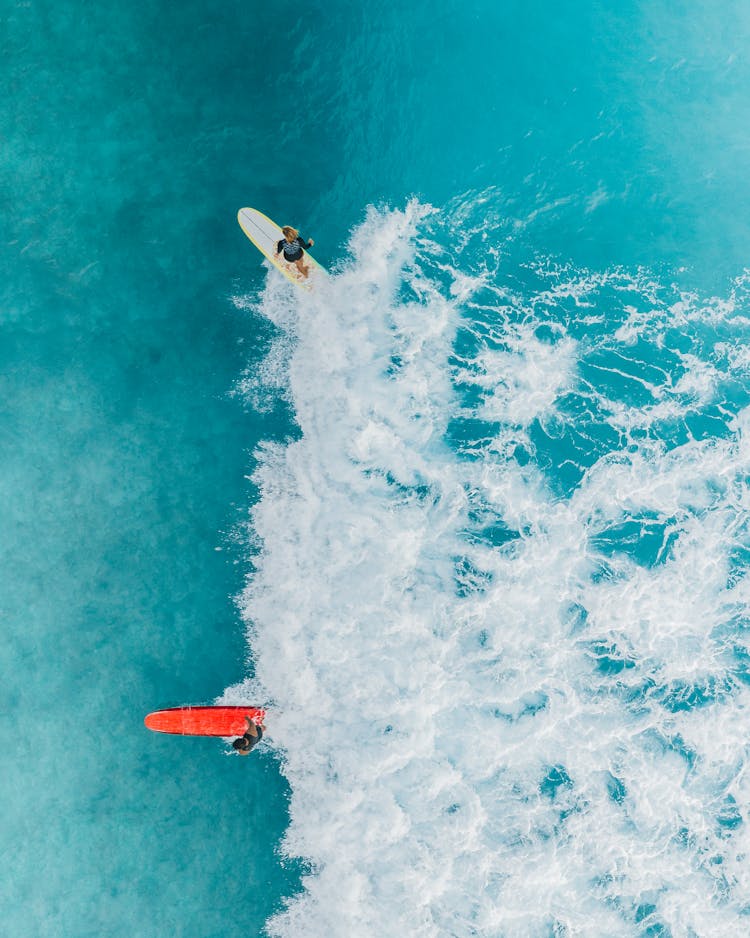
[500, 711]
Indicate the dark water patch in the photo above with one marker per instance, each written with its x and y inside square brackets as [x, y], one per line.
[733, 394]
[404, 492]
[739, 664]
[636, 378]
[739, 564]
[672, 432]
[597, 314]
[587, 317]
[527, 705]
[522, 455]
[407, 292]
[580, 407]
[729, 817]
[708, 423]
[685, 839]
[548, 333]
[467, 373]
[609, 660]
[493, 535]
[644, 911]
[636, 698]
[469, 437]
[574, 442]
[681, 696]
[474, 341]
[677, 341]
[603, 572]
[575, 616]
[395, 364]
[663, 743]
[532, 704]
[472, 394]
[656, 930]
[555, 781]
[646, 539]
[486, 525]
[723, 888]
[421, 492]
[468, 578]
[616, 788]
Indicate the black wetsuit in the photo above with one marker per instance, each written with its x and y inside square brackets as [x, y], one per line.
[253, 740]
[294, 250]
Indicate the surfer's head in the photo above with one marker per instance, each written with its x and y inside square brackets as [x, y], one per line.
[291, 234]
[242, 744]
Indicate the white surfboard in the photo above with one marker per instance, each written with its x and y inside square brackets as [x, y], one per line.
[265, 235]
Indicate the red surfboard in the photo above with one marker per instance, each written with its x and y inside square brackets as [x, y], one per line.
[203, 721]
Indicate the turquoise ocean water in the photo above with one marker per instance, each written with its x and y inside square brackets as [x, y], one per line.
[471, 519]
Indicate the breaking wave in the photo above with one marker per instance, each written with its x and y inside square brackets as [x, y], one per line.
[498, 599]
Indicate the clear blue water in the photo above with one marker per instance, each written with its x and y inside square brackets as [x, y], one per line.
[472, 519]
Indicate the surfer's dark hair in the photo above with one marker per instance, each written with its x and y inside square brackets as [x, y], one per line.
[241, 744]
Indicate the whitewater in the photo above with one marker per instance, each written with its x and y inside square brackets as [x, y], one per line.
[497, 605]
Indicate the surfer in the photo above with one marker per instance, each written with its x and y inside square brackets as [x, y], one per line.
[252, 737]
[293, 248]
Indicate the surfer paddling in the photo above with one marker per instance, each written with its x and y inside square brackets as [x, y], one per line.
[250, 740]
[293, 248]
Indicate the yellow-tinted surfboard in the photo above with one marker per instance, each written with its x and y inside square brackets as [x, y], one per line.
[265, 235]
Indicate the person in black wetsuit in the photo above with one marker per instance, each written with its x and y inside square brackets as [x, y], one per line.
[252, 737]
[293, 248]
